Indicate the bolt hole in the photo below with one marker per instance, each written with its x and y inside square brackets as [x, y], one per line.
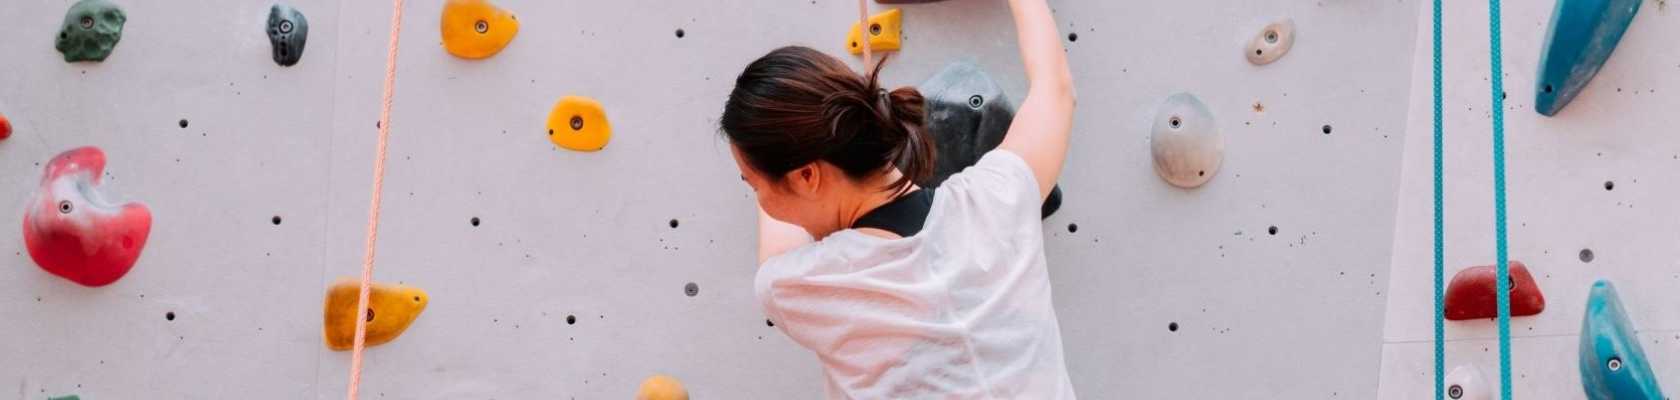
[1201, 173]
[1609, 185]
[1073, 37]
[674, 223]
[1271, 230]
[1175, 122]
[474, 221]
[976, 101]
[285, 26]
[577, 122]
[275, 220]
[1455, 392]
[1259, 52]
[370, 315]
[874, 29]
[571, 320]
[169, 316]
[769, 323]
[1271, 36]
[183, 123]
[481, 26]
[416, 299]
[691, 289]
[854, 45]
[1326, 129]
[551, 132]
[1547, 89]
[64, 207]
[1586, 255]
[1073, 228]
[1172, 327]
[1615, 363]
[64, 35]
[87, 22]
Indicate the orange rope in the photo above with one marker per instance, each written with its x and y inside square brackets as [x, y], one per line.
[863, 31]
[373, 210]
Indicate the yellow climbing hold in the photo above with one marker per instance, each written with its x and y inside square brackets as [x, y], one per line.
[390, 309]
[661, 387]
[579, 123]
[884, 31]
[476, 29]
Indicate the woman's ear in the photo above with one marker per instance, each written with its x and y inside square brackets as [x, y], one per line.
[805, 181]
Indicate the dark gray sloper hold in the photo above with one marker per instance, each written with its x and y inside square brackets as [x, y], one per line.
[968, 115]
[91, 29]
[288, 30]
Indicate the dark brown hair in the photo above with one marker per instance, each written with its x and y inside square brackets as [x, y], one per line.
[796, 106]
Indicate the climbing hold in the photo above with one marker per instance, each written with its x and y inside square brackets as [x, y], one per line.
[1613, 365]
[73, 231]
[69, 397]
[1472, 293]
[1466, 383]
[661, 387]
[288, 31]
[1581, 37]
[476, 29]
[968, 115]
[1185, 142]
[91, 29]
[1273, 41]
[579, 123]
[884, 29]
[391, 308]
[5, 127]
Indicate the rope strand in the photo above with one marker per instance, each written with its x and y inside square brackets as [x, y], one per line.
[373, 209]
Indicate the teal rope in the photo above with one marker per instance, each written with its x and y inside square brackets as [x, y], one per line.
[1502, 257]
[1440, 302]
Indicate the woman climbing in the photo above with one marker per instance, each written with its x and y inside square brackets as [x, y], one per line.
[904, 292]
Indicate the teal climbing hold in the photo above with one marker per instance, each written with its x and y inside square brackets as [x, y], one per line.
[1613, 366]
[70, 397]
[288, 31]
[91, 29]
[1582, 35]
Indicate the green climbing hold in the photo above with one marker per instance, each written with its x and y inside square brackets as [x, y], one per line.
[288, 31]
[70, 397]
[91, 29]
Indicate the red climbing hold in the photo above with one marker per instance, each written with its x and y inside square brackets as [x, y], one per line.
[72, 231]
[5, 128]
[1472, 293]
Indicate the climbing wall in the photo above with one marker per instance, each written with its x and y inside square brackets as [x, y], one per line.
[1589, 197]
[561, 274]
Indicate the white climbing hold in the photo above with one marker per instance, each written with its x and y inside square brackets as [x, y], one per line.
[1271, 43]
[1185, 142]
[1466, 383]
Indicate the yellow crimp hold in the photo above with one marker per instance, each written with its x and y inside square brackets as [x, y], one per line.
[661, 387]
[579, 123]
[476, 29]
[391, 309]
[884, 32]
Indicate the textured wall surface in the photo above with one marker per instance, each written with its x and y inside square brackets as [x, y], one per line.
[1272, 277]
[1599, 177]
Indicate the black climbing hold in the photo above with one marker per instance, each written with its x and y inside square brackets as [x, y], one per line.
[968, 115]
[288, 31]
[91, 29]
[691, 289]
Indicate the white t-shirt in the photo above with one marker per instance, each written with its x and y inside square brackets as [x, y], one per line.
[961, 310]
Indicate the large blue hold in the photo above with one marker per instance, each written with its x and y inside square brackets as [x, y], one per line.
[1582, 35]
[1613, 366]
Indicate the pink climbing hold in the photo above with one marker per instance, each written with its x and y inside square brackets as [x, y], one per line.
[72, 231]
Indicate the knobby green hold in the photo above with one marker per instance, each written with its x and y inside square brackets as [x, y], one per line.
[91, 29]
[288, 30]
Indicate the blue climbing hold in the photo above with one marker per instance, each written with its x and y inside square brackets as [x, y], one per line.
[1582, 35]
[1613, 366]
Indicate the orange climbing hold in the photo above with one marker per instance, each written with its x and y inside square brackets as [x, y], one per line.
[579, 123]
[661, 387]
[476, 29]
[391, 308]
[884, 32]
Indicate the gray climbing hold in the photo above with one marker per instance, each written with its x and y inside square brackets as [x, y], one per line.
[1271, 43]
[288, 31]
[1466, 383]
[1185, 142]
[91, 29]
[968, 116]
